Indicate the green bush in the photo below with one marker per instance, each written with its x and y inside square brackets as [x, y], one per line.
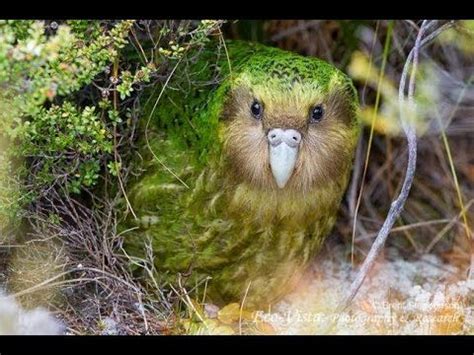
[61, 100]
[46, 136]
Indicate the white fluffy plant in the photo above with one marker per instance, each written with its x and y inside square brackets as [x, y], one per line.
[14, 320]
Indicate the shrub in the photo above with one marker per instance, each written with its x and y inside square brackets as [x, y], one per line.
[47, 136]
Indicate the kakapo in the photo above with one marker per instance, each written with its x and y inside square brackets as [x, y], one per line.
[244, 161]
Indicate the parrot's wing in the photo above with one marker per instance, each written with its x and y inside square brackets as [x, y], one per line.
[177, 145]
[164, 173]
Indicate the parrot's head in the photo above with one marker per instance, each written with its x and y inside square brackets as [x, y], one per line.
[290, 122]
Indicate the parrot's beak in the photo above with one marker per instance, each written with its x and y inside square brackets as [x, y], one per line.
[283, 148]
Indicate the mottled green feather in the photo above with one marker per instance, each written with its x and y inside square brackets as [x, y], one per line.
[206, 223]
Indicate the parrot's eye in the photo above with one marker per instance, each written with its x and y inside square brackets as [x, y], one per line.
[256, 109]
[317, 114]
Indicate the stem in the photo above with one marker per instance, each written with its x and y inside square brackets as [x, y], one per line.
[410, 133]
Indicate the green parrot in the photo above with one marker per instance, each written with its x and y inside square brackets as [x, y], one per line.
[243, 162]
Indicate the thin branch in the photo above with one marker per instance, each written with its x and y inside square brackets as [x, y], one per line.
[410, 133]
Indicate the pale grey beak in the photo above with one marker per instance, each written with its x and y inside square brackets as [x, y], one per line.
[283, 146]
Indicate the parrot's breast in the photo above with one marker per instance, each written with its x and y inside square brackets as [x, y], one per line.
[257, 244]
[233, 240]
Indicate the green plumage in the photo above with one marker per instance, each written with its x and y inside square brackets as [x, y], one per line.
[201, 215]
